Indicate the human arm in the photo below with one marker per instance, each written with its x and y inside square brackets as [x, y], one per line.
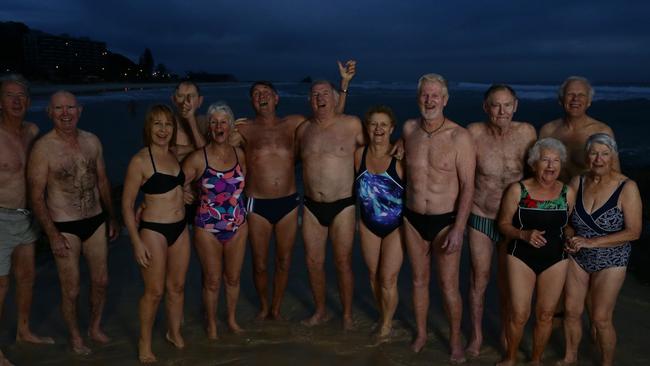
[132, 182]
[509, 204]
[465, 166]
[632, 214]
[191, 169]
[104, 187]
[37, 173]
[347, 72]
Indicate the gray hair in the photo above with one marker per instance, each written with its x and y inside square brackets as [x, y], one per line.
[604, 139]
[221, 106]
[16, 79]
[433, 78]
[548, 143]
[325, 82]
[570, 79]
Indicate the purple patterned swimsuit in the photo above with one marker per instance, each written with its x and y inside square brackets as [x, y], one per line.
[221, 210]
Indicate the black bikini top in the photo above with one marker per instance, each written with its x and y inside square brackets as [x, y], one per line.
[160, 183]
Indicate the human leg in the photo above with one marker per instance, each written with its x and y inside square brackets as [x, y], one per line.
[605, 287]
[390, 262]
[447, 266]
[342, 236]
[480, 248]
[178, 258]
[419, 253]
[210, 253]
[314, 238]
[234, 252]
[260, 237]
[154, 287]
[575, 291]
[521, 283]
[285, 239]
[95, 250]
[550, 286]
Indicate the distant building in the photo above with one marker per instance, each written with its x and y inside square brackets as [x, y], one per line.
[64, 58]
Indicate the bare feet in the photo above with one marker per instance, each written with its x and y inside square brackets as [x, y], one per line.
[262, 315]
[348, 324]
[457, 357]
[211, 330]
[382, 335]
[98, 336]
[177, 342]
[33, 338]
[144, 353]
[316, 319]
[566, 362]
[235, 328]
[79, 348]
[473, 349]
[4, 361]
[418, 344]
[277, 316]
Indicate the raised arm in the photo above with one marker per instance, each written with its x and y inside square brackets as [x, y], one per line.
[347, 72]
[104, 187]
[465, 166]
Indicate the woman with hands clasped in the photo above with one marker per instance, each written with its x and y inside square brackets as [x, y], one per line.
[534, 213]
[161, 242]
[606, 218]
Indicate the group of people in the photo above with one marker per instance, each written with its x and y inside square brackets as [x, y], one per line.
[566, 227]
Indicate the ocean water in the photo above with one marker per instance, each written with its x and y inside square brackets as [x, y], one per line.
[117, 117]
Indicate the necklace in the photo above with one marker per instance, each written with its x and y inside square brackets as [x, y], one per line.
[429, 134]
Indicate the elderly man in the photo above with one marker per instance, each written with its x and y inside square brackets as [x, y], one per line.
[71, 197]
[440, 162]
[273, 201]
[501, 145]
[187, 99]
[575, 96]
[327, 142]
[18, 230]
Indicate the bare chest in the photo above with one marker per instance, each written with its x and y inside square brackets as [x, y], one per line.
[499, 158]
[436, 153]
[273, 140]
[328, 141]
[13, 153]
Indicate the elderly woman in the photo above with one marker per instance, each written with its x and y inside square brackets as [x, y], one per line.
[161, 242]
[606, 218]
[533, 215]
[380, 190]
[220, 223]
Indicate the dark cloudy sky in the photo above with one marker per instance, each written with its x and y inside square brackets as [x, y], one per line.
[470, 40]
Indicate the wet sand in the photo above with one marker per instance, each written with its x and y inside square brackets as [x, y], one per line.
[286, 342]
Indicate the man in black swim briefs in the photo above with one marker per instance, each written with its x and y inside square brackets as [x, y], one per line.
[440, 162]
[326, 143]
[269, 143]
[71, 199]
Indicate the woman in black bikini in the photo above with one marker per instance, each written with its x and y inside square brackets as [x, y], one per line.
[161, 241]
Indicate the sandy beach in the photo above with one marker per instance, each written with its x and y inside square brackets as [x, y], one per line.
[285, 342]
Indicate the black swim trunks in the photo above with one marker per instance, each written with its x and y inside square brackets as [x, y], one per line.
[325, 212]
[273, 209]
[429, 225]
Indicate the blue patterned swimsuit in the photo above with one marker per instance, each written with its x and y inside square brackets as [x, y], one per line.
[608, 219]
[380, 198]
